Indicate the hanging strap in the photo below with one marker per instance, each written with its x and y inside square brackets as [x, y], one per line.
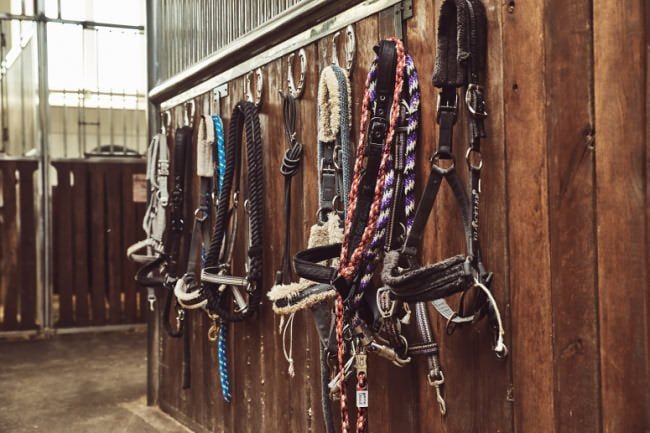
[186, 288]
[153, 222]
[288, 169]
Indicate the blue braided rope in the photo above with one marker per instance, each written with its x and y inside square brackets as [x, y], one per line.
[222, 340]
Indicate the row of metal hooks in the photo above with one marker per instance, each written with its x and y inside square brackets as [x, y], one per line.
[254, 80]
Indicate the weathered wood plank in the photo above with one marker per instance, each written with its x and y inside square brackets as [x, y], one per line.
[131, 232]
[569, 85]
[621, 183]
[27, 252]
[528, 216]
[61, 241]
[114, 247]
[9, 246]
[82, 256]
[98, 243]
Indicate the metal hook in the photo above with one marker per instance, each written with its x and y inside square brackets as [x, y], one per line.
[259, 87]
[219, 92]
[350, 48]
[297, 92]
[189, 114]
[165, 122]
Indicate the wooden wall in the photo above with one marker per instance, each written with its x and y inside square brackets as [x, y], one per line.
[95, 218]
[564, 226]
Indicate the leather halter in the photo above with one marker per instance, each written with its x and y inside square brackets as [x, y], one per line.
[187, 288]
[221, 289]
[460, 59]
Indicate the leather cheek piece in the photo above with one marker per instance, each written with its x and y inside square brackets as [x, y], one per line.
[427, 283]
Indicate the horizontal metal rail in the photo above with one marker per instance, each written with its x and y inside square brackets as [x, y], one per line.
[183, 91]
[85, 24]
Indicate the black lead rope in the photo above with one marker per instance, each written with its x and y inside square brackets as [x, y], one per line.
[288, 169]
[226, 294]
[460, 59]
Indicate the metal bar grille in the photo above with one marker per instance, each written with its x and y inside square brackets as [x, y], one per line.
[194, 29]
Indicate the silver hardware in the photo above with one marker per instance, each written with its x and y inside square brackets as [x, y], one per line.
[151, 298]
[437, 379]
[350, 48]
[297, 91]
[259, 87]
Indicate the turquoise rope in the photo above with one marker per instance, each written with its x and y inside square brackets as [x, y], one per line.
[222, 340]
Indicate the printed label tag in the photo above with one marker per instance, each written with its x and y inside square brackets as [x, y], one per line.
[140, 188]
[362, 398]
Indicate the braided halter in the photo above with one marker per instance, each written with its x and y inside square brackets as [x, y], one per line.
[360, 260]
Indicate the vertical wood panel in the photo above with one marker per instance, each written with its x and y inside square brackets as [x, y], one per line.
[98, 244]
[62, 214]
[10, 245]
[80, 246]
[27, 250]
[620, 202]
[569, 81]
[114, 249]
[528, 217]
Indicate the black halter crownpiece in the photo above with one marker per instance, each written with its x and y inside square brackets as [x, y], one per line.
[226, 294]
[460, 59]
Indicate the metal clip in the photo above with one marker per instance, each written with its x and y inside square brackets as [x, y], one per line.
[259, 87]
[297, 91]
[437, 379]
[151, 298]
[213, 332]
[180, 317]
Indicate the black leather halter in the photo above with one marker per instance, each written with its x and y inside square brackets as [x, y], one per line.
[460, 59]
[221, 289]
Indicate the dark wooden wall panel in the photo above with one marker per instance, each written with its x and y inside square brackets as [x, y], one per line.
[558, 229]
[569, 81]
[621, 185]
[94, 220]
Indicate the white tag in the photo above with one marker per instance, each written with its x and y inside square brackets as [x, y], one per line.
[362, 398]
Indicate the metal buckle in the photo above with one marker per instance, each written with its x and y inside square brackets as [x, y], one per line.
[448, 108]
[385, 314]
[201, 214]
[163, 167]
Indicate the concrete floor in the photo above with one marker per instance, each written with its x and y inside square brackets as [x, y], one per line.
[84, 383]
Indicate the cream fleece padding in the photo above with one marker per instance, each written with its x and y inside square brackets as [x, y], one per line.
[319, 235]
[329, 106]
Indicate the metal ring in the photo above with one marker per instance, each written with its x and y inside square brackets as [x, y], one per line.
[434, 162]
[297, 91]
[468, 158]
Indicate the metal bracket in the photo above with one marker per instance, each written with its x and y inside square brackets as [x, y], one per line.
[218, 93]
[402, 11]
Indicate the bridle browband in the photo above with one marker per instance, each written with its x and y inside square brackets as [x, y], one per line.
[459, 61]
